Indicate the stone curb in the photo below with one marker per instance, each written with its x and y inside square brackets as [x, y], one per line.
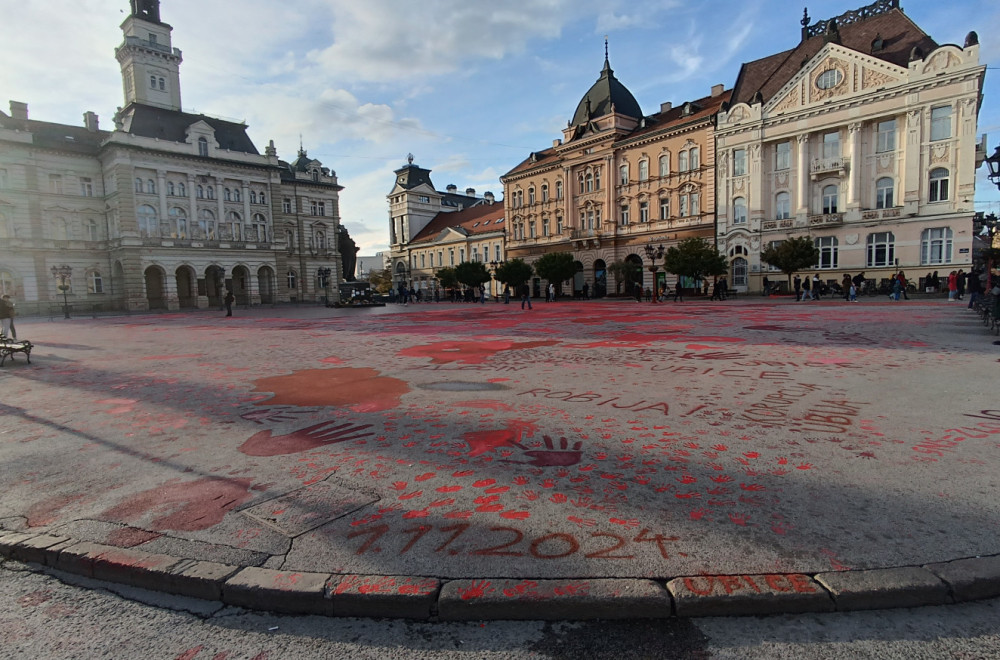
[429, 598]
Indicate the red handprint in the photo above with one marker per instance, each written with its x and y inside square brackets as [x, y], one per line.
[271, 415]
[552, 456]
[312, 437]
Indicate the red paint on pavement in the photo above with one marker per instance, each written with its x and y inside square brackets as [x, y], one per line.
[467, 352]
[361, 390]
[183, 506]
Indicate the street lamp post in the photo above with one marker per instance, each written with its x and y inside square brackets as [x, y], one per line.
[990, 231]
[63, 274]
[324, 277]
[654, 253]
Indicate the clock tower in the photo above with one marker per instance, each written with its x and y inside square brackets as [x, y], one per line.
[150, 65]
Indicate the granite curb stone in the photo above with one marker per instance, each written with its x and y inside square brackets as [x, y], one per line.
[970, 579]
[463, 600]
[291, 592]
[731, 595]
[384, 595]
[908, 586]
[425, 598]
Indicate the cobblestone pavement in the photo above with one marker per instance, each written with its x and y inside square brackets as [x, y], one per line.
[704, 443]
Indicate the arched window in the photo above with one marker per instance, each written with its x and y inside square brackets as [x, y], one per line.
[643, 170]
[623, 175]
[739, 271]
[211, 192]
[682, 161]
[559, 190]
[6, 283]
[253, 196]
[202, 147]
[235, 225]
[170, 188]
[59, 230]
[151, 187]
[199, 192]
[263, 198]
[182, 190]
[315, 175]
[178, 222]
[545, 192]
[739, 210]
[589, 182]
[881, 250]
[830, 195]
[91, 231]
[665, 165]
[95, 283]
[694, 161]
[259, 229]
[206, 225]
[152, 82]
[938, 190]
[138, 185]
[289, 239]
[292, 279]
[597, 178]
[531, 195]
[581, 178]
[149, 226]
[236, 195]
[782, 206]
[320, 240]
[883, 193]
[935, 246]
[227, 194]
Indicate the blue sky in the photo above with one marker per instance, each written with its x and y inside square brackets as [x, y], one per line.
[468, 87]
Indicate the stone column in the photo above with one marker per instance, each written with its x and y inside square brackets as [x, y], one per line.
[193, 203]
[854, 189]
[161, 190]
[245, 185]
[802, 153]
[220, 206]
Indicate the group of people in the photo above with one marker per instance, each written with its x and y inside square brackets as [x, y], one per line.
[806, 289]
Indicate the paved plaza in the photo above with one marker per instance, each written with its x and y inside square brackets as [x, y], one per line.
[575, 442]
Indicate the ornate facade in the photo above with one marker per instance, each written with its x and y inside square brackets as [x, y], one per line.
[166, 211]
[617, 182]
[863, 137]
[430, 229]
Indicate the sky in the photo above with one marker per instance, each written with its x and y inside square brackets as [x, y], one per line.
[468, 87]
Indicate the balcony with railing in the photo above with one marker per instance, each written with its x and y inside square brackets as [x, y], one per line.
[152, 45]
[835, 166]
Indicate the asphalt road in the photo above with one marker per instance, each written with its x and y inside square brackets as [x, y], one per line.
[52, 616]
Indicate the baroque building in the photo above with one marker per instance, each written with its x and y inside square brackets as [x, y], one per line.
[617, 182]
[862, 137]
[430, 229]
[168, 210]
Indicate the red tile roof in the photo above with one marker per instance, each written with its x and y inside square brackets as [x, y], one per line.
[899, 35]
[479, 219]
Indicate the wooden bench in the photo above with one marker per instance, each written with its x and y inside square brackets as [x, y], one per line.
[9, 346]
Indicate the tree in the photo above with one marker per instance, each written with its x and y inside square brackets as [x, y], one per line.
[472, 273]
[381, 280]
[791, 255]
[514, 273]
[695, 258]
[626, 273]
[556, 267]
[447, 277]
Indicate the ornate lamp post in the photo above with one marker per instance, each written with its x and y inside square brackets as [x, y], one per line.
[989, 231]
[63, 274]
[324, 277]
[654, 253]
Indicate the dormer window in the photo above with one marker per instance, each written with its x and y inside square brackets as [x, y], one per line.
[202, 147]
[315, 175]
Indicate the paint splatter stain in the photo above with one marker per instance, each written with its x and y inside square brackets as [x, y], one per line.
[361, 390]
[183, 506]
[467, 352]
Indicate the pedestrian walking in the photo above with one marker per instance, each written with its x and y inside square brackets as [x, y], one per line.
[797, 285]
[902, 285]
[896, 288]
[678, 293]
[7, 330]
[228, 301]
[975, 288]
[506, 294]
[552, 292]
[817, 289]
[952, 286]
[806, 288]
[767, 288]
[960, 281]
[846, 285]
[525, 295]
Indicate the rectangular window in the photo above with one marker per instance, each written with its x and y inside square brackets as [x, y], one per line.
[831, 145]
[941, 123]
[643, 211]
[545, 226]
[643, 170]
[86, 187]
[695, 204]
[496, 252]
[95, 284]
[559, 224]
[318, 207]
[739, 162]
[782, 155]
[881, 250]
[531, 229]
[286, 204]
[461, 255]
[885, 136]
[424, 199]
[664, 208]
[624, 215]
[55, 184]
[827, 251]
[683, 210]
[935, 246]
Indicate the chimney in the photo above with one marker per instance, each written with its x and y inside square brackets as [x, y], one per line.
[18, 110]
[556, 143]
[451, 187]
[666, 106]
[488, 196]
[471, 192]
[90, 121]
[718, 89]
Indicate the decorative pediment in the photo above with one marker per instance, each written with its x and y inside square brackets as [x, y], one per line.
[738, 114]
[200, 128]
[941, 60]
